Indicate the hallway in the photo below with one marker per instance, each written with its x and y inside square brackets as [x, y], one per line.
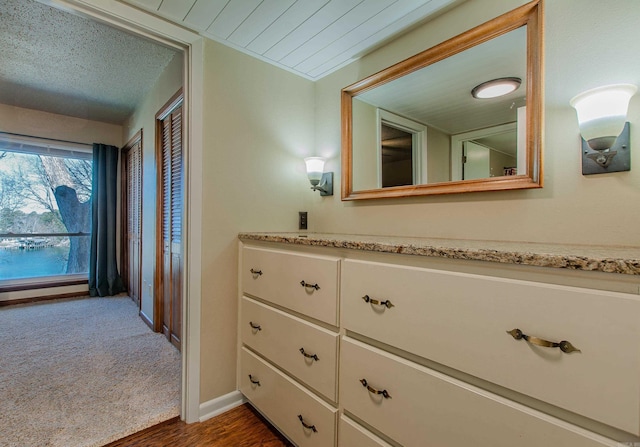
[82, 373]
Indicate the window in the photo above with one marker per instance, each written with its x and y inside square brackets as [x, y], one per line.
[45, 210]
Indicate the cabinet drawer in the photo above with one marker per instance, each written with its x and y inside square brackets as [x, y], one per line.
[426, 408]
[281, 338]
[461, 320]
[351, 434]
[284, 402]
[304, 283]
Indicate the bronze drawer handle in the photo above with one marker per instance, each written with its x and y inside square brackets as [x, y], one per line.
[564, 345]
[255, 326]
[309, 356]
[386, 303]
[305, 425]
[255, 382]
[309, 286]
[372, 390]
[256, 272]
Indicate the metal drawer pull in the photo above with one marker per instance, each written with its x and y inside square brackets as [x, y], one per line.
[309, 286]
[305, 425]
[309, 356]
[386, 303]
[255, 326]
[256, 272]
[255, 382]
[372, 390]
[564, 345]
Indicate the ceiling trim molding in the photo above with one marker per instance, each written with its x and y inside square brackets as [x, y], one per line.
[129, 18]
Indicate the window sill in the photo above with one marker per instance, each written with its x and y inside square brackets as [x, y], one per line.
[15, 285]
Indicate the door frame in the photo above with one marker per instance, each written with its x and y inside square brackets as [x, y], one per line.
[457, 141]
[124, 214]
[138, 22]
[158, 297]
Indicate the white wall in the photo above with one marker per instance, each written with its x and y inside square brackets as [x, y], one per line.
[365, 142]
[169, 82]
[258, 128]
[60, 127]
[439, 153]
[587, 43]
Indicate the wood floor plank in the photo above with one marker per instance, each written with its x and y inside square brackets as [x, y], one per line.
[241, 427]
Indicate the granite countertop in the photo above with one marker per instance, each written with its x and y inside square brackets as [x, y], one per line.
[610, 259]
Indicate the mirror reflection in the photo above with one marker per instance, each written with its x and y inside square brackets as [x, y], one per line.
[426, 127]
[433, 123]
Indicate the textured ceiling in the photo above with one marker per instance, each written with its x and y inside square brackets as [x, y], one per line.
[63, 63]
[311, 38]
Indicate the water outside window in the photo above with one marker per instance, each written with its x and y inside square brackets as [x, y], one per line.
[44, 213]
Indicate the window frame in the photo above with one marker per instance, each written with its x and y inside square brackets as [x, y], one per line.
[31, 145]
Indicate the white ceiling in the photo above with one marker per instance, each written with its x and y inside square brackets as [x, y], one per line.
[311, 38]
[66, 64]
[440, 94]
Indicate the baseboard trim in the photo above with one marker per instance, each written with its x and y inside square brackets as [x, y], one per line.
[220, 405]
[146, 319]
[37, 299]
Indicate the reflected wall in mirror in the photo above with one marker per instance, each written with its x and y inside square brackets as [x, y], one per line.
[416, 129]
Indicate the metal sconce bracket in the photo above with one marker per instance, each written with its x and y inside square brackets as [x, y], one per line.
[615, 159]
[326, 184]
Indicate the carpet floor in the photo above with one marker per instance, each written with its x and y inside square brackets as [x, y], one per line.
[82, 373]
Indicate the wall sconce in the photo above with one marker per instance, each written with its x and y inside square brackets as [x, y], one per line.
[602, 115]
[320, 180]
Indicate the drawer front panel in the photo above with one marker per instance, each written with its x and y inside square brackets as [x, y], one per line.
[428, 409]
[283, 401]
[281, 337]
[351, 434]
[461, 321]
[303, 283]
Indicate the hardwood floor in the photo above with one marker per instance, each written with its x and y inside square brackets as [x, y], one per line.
[241, 427]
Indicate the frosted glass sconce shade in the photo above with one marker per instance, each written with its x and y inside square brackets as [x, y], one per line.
[320, 180]
[315, 168]
[602, 113]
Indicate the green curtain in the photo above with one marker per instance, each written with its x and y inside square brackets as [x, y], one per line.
[104, 279]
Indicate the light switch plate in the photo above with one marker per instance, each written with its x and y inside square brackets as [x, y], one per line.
[302, 220]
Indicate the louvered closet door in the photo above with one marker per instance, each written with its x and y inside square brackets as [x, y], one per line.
[171, 223]
[133, 199]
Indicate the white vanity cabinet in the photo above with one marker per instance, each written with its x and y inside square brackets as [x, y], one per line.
[299, 282]
[417, 356]
[464, 321]
[417, 406]
[288, 327]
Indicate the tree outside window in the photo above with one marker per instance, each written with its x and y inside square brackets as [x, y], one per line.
[45, 203]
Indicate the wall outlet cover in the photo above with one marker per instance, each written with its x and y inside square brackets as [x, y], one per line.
[302, 220]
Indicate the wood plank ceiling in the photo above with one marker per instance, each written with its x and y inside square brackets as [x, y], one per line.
[311, 38]
[440, 94]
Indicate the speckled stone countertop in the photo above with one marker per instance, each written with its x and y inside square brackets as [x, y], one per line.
[610, 259]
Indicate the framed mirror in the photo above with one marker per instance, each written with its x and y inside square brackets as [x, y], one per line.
[423, 125]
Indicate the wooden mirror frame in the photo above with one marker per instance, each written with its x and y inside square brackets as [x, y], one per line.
[531, 15]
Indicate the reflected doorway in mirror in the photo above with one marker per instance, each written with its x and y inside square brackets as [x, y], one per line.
[402, 146]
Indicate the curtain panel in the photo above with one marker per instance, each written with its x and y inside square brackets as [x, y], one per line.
[104, 279]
